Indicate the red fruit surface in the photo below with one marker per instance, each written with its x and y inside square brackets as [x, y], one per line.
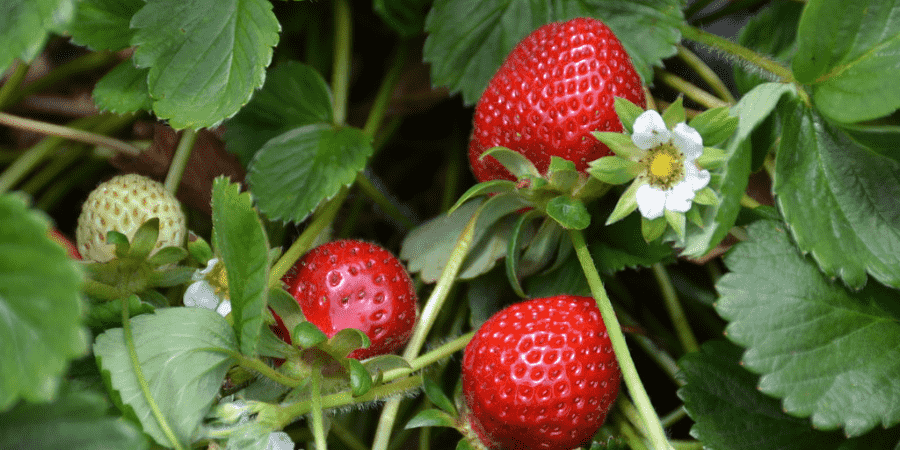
[540, 374]
[555, 87]
[356, 284]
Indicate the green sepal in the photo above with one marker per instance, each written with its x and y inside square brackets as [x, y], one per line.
[715, 125]
[569, 212]
[513, 248]
[431, 418]
[712, 158]
[307, 335]
[144, 239]
[167, 255]
[283, 304]
[173, 276]
[674, 113]
[382, 363]
[706, 196]
[620, 144]
[513, 161]
[614, 169]
[558, 164]
[652, 229]
[437, 397]
[677, 221]
[199, 249]
[346, 341]
[543, 246]
[628, 112]
[120, 241]
[463, 444]
[360, 379]
[626, 205]
[562, 174]
[485, 188]
[694, 216]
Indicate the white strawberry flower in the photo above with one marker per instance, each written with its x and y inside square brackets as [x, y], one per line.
[671, 176]
[203, 294]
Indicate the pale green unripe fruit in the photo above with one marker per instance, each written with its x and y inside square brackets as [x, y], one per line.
[122, 204]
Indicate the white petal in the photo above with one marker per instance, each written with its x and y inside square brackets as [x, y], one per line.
[201, 294]
[279, 440]
[688, 140]
[650, 130]
[651, 201]
[224, 308]
[696, 178]
[200, 274]
[679, 198]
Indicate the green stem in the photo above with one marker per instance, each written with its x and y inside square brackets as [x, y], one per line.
[706, 73]
[388, 83]
[688, 445]
[262, 368]
[179, 160]
[631, 435]
[340, 70]
[86, 63]
[318, 424]
[370, 190]
[738, 51]
[629, 372]
[51, 171]
[142, 381]
[676, 312]
[689, 89]
[303, 243]
[346, 436]
[426, 320]
[749, 202]
[9, 89]
[74, 134]
[696, 7]
[673, 417]
[444, 351]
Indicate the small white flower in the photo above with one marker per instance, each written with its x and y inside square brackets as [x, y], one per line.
[201, 293]
[671, 176]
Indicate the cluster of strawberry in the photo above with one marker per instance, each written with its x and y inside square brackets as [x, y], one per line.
[538, 374]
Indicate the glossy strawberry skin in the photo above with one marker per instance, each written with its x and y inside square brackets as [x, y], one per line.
[356, 284]
[555, 87]
[540, 374]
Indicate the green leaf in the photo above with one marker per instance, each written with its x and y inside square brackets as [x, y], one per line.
[307, 335]
[715, 125]
[431, 418]
[569, 212]
[26, 24]
[123, 90]
[104, 24]
[206, 57]
[428, 247]
[437, 397]
[827, 352]
[880, 138]
[839, 199]
[295, 171]
[240, 240]
[75, 421]
[848, 52]
[730, 413]
[406, 17]
[469, 40]
[184, 354]
[731, 180]
[621, 246]
[293, 95]
[40, 329]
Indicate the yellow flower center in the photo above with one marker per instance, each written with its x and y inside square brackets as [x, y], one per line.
[663, 166]
[218, 278]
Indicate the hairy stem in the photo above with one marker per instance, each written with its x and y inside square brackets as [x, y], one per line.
[706, 73]
[689, 89]
[676, 312]
[738, 51]
[142, 380]
[318, 424]
[179, 160]
[629, 372]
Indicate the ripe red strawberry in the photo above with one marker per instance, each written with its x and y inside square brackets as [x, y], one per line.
[555, 87]
[356, 284]
[540, 374]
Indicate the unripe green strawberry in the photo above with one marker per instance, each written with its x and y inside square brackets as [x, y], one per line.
[555, 87]
[122, 204]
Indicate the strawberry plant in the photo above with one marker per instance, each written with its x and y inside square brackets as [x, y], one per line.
[698, 201]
